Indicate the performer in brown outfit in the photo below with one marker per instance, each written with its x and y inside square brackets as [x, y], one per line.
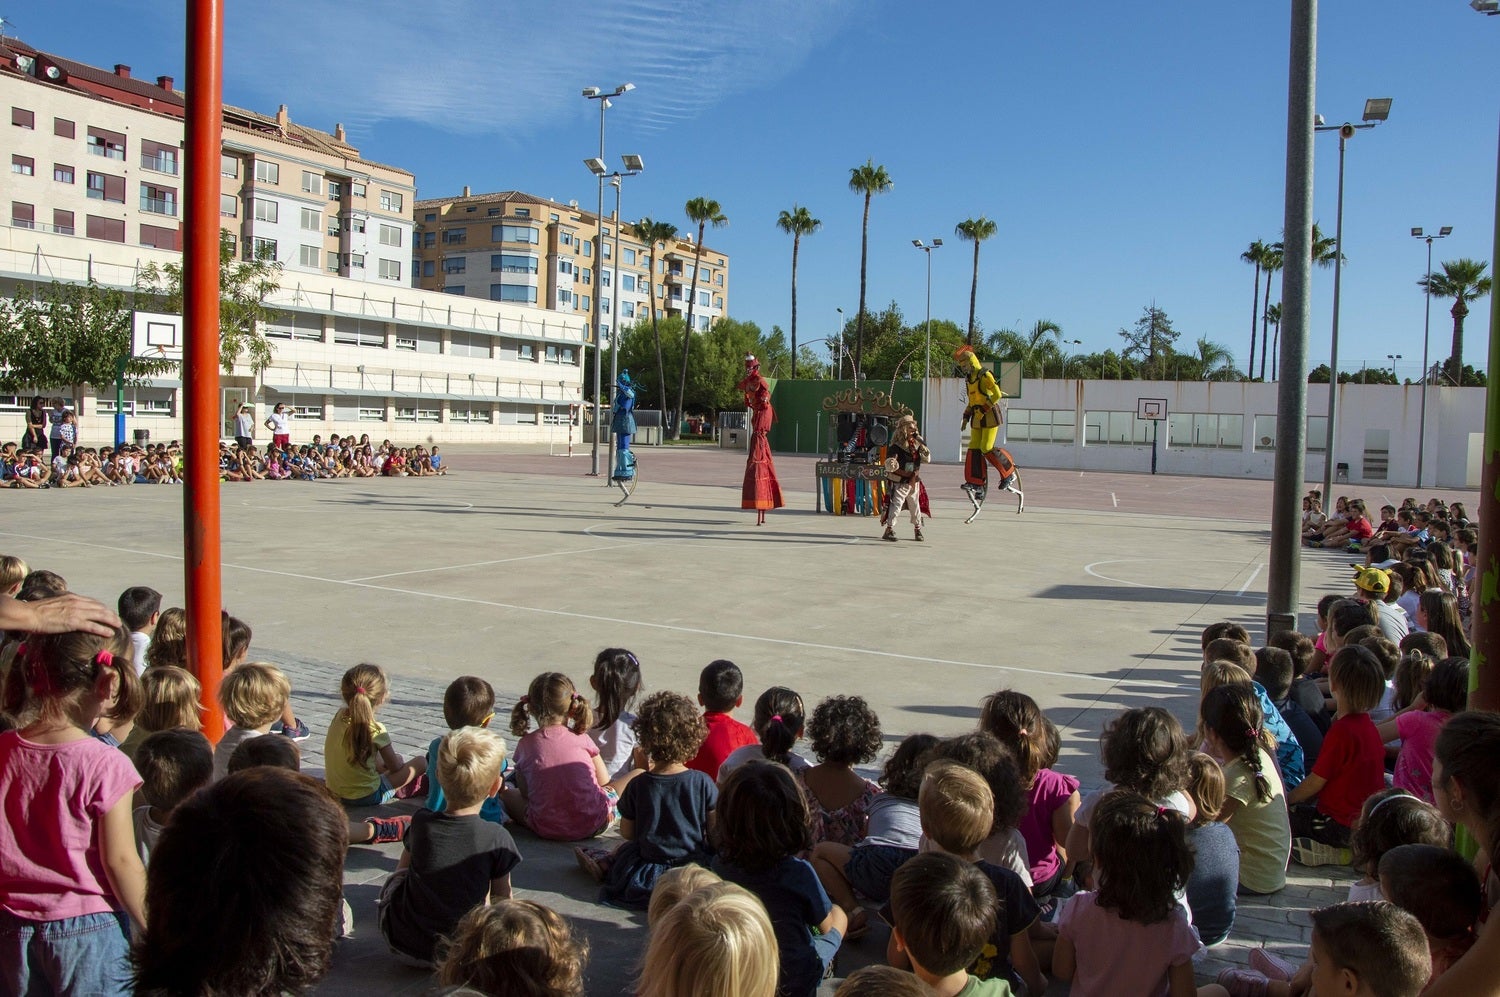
[761, 490]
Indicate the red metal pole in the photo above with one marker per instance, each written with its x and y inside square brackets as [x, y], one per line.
[200, 365]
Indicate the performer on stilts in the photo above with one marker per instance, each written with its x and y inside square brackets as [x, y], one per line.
[761, 489]
[622, 427]
[982, 416]
[905, 456]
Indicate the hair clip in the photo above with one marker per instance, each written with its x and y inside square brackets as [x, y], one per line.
[104, 658]
[524, 701]
[776, 719]
[1161, 813]
[1023, 732]
[1252, 733]
[361, 690]
[487, 718]
[575, 698]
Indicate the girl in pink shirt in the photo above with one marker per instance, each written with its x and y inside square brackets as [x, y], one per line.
[562, 790]
[70, 874]
[1445, 693]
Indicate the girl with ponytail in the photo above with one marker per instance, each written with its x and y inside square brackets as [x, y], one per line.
[360, 766]
[778, 722]
[1255, 804]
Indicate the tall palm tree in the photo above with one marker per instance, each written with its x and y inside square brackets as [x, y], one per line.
[652, 232]
[1214, 362]
[1274, 315]
[976, 230]
[1031, 349]
[868, 180]
[1464, 281]
[704, 211]
[796, 223]
[1324, 252]
[1256, 254]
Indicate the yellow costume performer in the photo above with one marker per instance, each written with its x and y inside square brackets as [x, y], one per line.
[982, 416]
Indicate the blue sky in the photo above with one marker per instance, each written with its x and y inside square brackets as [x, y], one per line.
[1129, 151]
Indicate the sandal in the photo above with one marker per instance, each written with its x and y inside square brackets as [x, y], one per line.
[859, 924]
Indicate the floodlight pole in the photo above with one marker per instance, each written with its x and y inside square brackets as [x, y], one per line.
[595, 93]
[1426, 342]
[200, 361]
[927, 367]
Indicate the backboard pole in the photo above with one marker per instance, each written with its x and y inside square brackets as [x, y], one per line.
[200, 361]
[120, 402]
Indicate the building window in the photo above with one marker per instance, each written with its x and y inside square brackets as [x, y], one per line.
[457, 289]
[309, 256]
[357, 189]
[513, 233]
[718, 301]
[719, 278]
[232, 240]
[703, 298]
[418, 414]
[103, 142]
[229, 166]
[522, 212]
[22, 215]
[311, 413]
[267, 210]
[583, 302]
[312, 183]
[526, 351]
[390, 270]
[390, 201]
[335, 190]
[513, 292]
[588, 247]
[263, 249]
[566, 238]
[1117, 429]
[429, 239]
[62, 221]
[334, 226]
[1317, 433]
[604, 277]
[512, 263]
[103, 187]
[603, 305]
[267, 172]
[158, 157]
[333, 262]
[455, 236]
[356, 261]
[109, 229]
[62, 128]
[22, 118]
[628, 254]
[565, 266]
[564, 297]
[229, 206]
[24, 165]
[160, 237]
[1209, 430]
[627, 309]
[158, 200]
[428, 268]
[356, 225]
[390, 235]
[587, 274]
[311, 219]
[456, 264]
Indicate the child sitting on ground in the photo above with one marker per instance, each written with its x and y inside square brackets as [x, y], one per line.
[943, 911]
[515, 947]
[666, 812]
[672, 886]
[762, 827]
[1212, 887]
[721, 688]
[778, 721]
[716, 940]
[1290, 760]
[957, 808]
[253, 696]
[1350, 767]
[1255, 802]
[844, 732]
[1274, 670]
[360, 766]
[894, 832]
[172, 700]
[281, 753]
[468, 701]
[1439, 887]
[173, 764]
[882, 981]
[1369, 950]
[454, 860]
[1389, 819]
[997, 766]
[616, 682]
[1445, 693]
[140, 608]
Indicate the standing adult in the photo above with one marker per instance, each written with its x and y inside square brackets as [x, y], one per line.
[982, 417]
[622, 427]
[761, 490]
[244, 427]
[36, 425]
[280, 425]
[55, 433]
[904, 458]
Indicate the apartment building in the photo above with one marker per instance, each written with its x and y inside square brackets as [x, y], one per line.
[518, 247]
[94, 193]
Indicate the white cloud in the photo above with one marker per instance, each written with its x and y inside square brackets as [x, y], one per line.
[474, 66]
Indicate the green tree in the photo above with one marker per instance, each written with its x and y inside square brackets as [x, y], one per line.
[868, 180]
[1256, 254]
[1033, 349]
[652, 233]
[1463, 280]
[796, 223]
[976, 230]
[244, 286]
[1211, 361]
[702, 211]
[1324, 253]
[68, 335]
[1273, 315]
[1150, 342]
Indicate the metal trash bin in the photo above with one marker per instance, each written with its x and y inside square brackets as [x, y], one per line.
[142, 437]
[1341, 472]
[734, 431]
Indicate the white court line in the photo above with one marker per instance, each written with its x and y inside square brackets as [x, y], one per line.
[567, 614]
[1088, 569]
[1253, 575]
[1115, 500]
[481, 564]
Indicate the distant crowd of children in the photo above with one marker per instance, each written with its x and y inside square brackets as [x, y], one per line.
[754, 862]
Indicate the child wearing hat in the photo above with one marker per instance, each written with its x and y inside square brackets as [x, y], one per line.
[1373, 585]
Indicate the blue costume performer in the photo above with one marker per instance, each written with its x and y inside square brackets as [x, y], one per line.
[622, 425]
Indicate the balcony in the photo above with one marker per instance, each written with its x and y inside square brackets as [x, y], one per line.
[159, 206]
[160, 164]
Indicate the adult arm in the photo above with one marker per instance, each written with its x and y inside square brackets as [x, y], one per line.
[60, 614]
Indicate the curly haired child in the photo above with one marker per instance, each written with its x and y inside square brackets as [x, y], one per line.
[1212, 887]
[515, 947]
[1389, 819]
[845, 732]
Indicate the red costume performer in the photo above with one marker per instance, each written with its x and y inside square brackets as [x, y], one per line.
[761, 490]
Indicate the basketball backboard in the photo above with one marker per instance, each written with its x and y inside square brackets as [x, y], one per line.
[156, 336]
[1151, 409]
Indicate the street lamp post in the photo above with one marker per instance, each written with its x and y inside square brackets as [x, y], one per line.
[841, 343]
[927, 364]
[1068, 356]
[1377, 109]
[1443, 233]
[634, 165]
[1393, 357]
[603, 97]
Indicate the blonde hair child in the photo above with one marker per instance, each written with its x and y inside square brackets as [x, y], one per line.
[360, 766]
[79, 835]
[169, 641]
[13, 572]
[515, 947]
[673, 885]
[562, 789]
[252, 695]
[172, 700]
[716, 940]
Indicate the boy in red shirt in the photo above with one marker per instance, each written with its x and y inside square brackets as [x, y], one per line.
[1350, 766]
[721, 688]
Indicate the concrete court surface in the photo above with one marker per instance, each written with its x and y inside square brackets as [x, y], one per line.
[517, 563]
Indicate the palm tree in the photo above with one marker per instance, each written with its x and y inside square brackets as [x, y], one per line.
[1032, 349]
[1256, 254]
[976, 230]
[796, 223]
[652, 232]
[1274, 315]
[1324, 252]
[1464, 281]
[704, 211]
[1214, 362]
[868, 180]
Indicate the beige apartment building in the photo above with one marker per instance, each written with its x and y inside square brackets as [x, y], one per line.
[517, 247]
